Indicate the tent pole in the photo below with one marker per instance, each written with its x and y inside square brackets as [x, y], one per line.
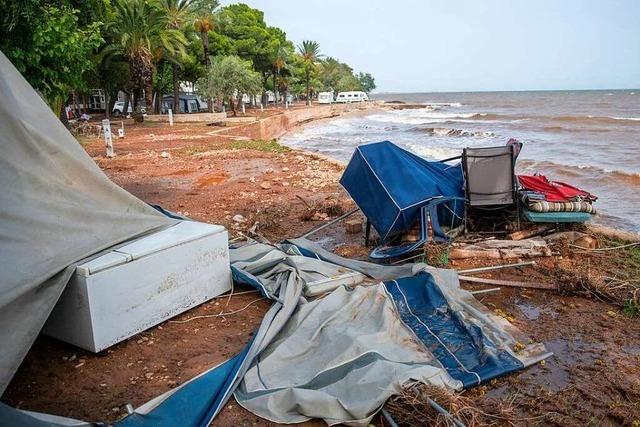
[333, 221]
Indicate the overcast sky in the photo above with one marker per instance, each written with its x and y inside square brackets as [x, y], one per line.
[472, 45]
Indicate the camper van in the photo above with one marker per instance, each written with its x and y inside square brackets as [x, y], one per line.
[325, 98]
[353, 96]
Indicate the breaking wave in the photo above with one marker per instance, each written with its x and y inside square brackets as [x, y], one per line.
[441, 131]
[595, 172]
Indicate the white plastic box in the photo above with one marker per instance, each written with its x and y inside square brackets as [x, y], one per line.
[141, 284]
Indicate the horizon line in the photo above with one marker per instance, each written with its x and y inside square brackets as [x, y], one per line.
[513, 90]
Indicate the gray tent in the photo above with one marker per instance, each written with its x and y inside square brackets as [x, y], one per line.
[56, 208]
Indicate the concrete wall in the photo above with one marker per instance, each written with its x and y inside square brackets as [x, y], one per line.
[277, 125]
[184, 118]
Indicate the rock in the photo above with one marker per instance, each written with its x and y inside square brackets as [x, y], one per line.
[353, 226]
[265, 185]
[165, 155]
[586, 242]
[239, 218]
[269, 171]
[285, 169]
[116, 409]
[252, 179]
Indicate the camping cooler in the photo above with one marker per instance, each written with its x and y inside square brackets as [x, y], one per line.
[140, 284]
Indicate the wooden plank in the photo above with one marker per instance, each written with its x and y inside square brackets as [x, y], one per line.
[531, 232]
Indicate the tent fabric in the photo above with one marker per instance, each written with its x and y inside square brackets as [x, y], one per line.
[56, 208]
[554, 191]
[339, 359]
[374, 340]
[390, 185]
[341, 356]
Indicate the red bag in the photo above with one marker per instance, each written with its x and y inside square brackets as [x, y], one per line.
[554, 191]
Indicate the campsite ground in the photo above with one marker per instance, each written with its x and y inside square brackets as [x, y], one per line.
[593, 377]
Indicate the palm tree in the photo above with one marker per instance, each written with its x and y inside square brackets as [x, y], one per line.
[309, 51]
[279, 62]
[140, 34]
[179, 14]
[204, 22]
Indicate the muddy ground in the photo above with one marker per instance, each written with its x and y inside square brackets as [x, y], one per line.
[593, 377]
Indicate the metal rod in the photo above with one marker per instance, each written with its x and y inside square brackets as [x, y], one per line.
[333, 221]
[495, 267]
[508, 283]
[444, 412]
[484, 291]
[387, 416]
[451, 158]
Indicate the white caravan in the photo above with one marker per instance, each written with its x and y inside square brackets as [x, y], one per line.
[353, 96]
[325, 98]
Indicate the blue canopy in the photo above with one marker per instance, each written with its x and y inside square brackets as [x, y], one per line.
[390, 185]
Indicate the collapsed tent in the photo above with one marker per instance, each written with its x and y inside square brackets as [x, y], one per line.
[56, 208]
[391, 185]
[340, 357]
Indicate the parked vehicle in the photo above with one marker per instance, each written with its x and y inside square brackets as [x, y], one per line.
[188, 104]
[352, 96]
[118, 108]
[325, 98]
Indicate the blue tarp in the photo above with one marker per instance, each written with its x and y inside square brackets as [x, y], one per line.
[390, 185]
[461, 347]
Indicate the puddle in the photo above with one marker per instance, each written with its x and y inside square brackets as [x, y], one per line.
[533, 312]
[211, 179]
[567, 355]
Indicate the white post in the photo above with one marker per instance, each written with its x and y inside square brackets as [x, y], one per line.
[261, 108]
[170, 117]
[243, 108]
[224, 110]
[121, 130]
[108, 141]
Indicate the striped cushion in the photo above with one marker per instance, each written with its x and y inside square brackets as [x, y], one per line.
[543, 206]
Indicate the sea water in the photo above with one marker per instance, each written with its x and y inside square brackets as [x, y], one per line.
[590, 139]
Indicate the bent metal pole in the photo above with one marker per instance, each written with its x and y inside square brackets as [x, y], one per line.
[333, 221]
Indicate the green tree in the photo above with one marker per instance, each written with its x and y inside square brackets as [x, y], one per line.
[205, 19]
[180, 14]
[243, 32]
[228, 77]
[367, 82]
[47, 44]
[309, 52]
[141, 34]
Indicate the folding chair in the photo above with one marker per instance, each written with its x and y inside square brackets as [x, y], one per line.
[490, 179]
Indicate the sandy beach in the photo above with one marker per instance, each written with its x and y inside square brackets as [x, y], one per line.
[277, 192]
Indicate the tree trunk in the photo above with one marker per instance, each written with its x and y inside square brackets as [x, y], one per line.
[63, 116]
[308, 88]
[106, 103]
[275, 88]
[205, 47]
[233, 106]
[176, 91]
[148, 95]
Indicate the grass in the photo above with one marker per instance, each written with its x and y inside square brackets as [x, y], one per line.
[271, 146]
[631, 309]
